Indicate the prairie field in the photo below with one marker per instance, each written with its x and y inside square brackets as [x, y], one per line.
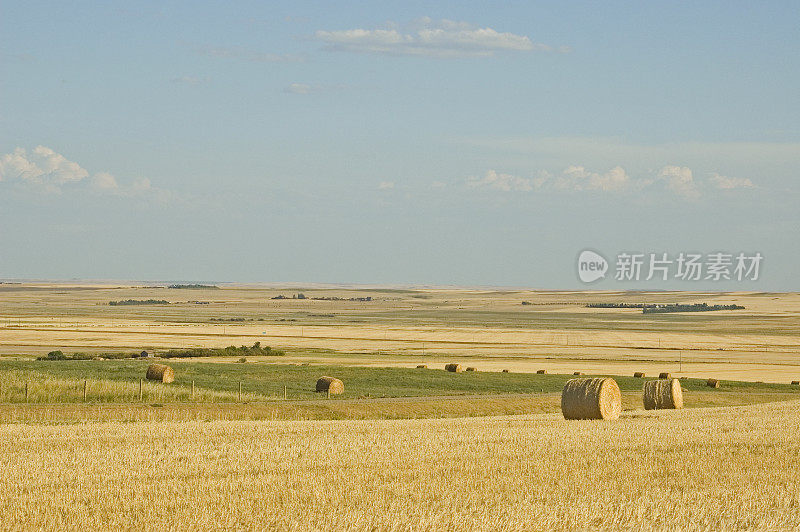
[719, 468]
[401, 327]
[245, 443]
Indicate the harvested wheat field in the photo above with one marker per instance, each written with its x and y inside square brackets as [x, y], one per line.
[555, 332]
[727, 468]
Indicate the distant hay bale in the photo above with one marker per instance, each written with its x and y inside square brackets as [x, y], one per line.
[597, 398]
[712, 383]
[330, 384]
[662, 394]
[541, 372]
[453, 368]
[472, 369]
[422, 366]
[639, 375]
[160, 372]
[505, 371]
[664, 375]
[577, 373]
[795, 383]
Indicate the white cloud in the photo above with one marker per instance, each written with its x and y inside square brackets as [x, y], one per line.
[573, 178]
[386, 185]
[680, 180]
[426, 37]
[578, 178]
[104, 181]
[504, 182]
[44, 170]
[42, 167]
[721, 181]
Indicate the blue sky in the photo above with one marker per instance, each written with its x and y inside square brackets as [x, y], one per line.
[396, 143]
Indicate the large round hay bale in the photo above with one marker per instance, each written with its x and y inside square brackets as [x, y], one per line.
[664, 375]
[454, 368]
[505, 371]
[160, 372]
[578, 373]
[597, 398]
[795, 383]
[712, 383]
[422, 366]
[541, 372]
[330, 384]
[639, 375]
[472, 369]
[662, 394]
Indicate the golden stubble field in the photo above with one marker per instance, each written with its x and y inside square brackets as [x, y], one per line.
[705, 469]
[489, 328]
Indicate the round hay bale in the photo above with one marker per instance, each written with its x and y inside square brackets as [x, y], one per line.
[472, 369]
[541, 372]
[160, 372]
[422, 366]
[597, 398]
[664, 375]
[577, 373]
[453, 368]
[330, 384]
[795, 383]
[662, 394]
[505, 371]
[712, 383]
[639, 375]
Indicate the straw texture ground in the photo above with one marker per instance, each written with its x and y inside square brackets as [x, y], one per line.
[702, 470]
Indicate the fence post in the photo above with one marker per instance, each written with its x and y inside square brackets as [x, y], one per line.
[284, 393]
[141, 394]
[85, 385]
[26, 391]
[240, 391]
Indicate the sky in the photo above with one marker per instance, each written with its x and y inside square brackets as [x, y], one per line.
[400, 143]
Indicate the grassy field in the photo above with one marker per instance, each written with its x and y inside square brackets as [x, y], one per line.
[112, 389]
[702, 469]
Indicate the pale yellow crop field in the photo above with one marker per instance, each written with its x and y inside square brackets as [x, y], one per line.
[491, 329]
[703, 469]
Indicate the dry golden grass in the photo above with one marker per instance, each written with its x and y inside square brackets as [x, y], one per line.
[729, 468]
[408, 327]
[43, 388]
